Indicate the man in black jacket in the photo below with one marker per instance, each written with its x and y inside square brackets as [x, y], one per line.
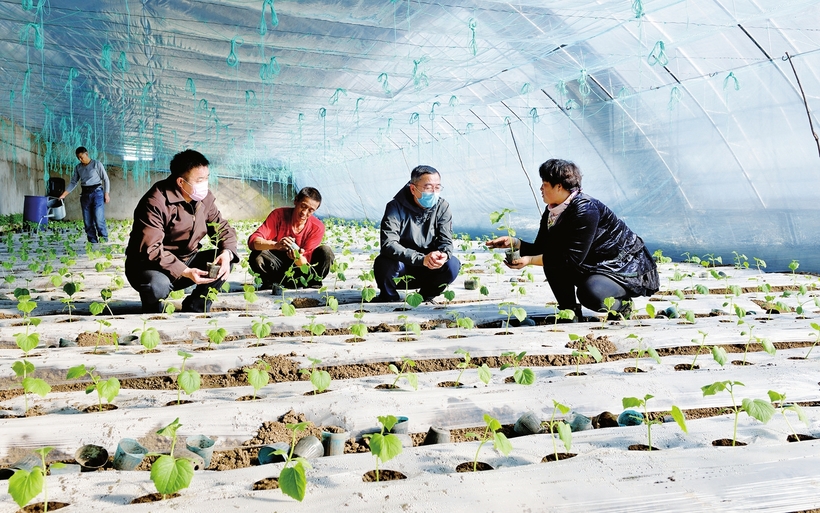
[416, 240]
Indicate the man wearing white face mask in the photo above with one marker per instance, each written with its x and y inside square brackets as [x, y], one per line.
[169, 222]
[416, 239]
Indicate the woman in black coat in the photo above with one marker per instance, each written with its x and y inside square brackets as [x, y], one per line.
[584, 248]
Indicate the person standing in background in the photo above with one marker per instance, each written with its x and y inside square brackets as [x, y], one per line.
[93, 180]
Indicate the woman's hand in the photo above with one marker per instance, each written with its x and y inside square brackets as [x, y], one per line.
[520, 263]
[501, 242]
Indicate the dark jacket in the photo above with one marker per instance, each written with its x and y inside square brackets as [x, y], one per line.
[589, 239]
[167, 230]
[409, 232]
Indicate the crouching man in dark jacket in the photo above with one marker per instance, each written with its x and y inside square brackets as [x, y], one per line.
[416, 240]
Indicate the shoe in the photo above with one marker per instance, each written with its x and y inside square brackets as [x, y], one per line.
[624, 312]
[192, 306]
[275, 290]
[430, 300]
[385, 299]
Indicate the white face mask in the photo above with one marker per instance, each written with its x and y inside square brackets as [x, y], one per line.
[199, 191]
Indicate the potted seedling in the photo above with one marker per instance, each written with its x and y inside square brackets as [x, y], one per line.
[491, 432]
[640, 352]
[563, 429]
[187, 379]
[521, 376]
[498, 216]
[635, 402]
[292, 479]
[169, 473]
[784, 407]
[383, 446]
[25, 485]
[404, 373]
[106, 389]
[584, 350]
[258, 376]
[314, 328]
[215, 236]
[320, 379]
[755, 408]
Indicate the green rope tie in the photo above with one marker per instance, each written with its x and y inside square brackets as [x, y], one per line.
[105, 60]
[322, 113]
[28, 5]
[453, 101]
[637, 9]
[414, 118]
[88, 101]
[534, 115]
[674, 98]
[383, 81]
[358, 100]
[274, 20]
[38, 35]
[420, 80]
[233, 60]
[334, 99]
[583, 85]
[562, 88]
[658, 55]
[473, 46]
[122, 62]
[202, 105]
[250, 98]
[731, 76]
[270, 70]
[190, 86]
[525, 89]
[432, 114]
[571, 105]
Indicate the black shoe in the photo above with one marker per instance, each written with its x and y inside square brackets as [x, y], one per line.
[430, 300]
[193, 306]
[385, 299]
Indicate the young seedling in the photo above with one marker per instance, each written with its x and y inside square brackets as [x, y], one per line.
[384, 447]
[169, 473]
[249, 295]
[96, 309]
[258, 376]
[149, 336]
[292, 478]
[106, 389]
[719, 355]
[409, 327]
[650, 310]
[563, 429]
[741, 262]
[25, 485]
[288, 310]
[609, 312]
[314, 328]
[187, 379]
[635, 402]
[412, 300]
[27, 341]
[784, 407]
[583, 351]
[793, 265]
[168, 307]
[701, 345]
[496, 217]
[816, 328]
[331, 303]
[320, 379]
[216, 334]
[521, 376]
[509, 309]
[70, 288]
[755, 408]
[759, 262]
[22, 369]
[359, 329]
[404, 372]
[484, 373]
[261, 328]
[461, 321]
[641, 351]
[500, 441]
[566, 314]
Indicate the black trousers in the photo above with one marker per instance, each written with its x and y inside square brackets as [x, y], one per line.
[272, 266]
[591, 289]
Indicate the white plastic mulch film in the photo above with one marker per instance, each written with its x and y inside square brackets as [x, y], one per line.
[686, 117]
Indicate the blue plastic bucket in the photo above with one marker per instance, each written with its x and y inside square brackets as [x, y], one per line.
[35, 210]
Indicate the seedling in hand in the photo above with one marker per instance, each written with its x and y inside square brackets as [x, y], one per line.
[320, 379]
[25, 485]
[521, 376]
[784, 407]
[384, 447]
[292, 478]
[500, 441]
[634, 402]
[187, 379]
[169, 473]
[404, 372]
[258, 376]
[563, 429]
[755, 408]
[106, 389]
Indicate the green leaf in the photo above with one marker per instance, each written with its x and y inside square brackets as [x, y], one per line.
[189, 381]
[171, 475]
[368, 293]
[565, 434]
[261, 329]
[501, 444]
[96, 308]
[76, 372]
[257, 378]
[109, 389]
[288, 310]
[70, 288]
[25, 485]
[149, 338]
[293, 482]
[677, 414]
[414, 299]
[653, 354]
[359, 330]
[413, 380]
[650, 311]
[388, 421]
[27, 342]
[22, 368]
[484, 291]
[719, 354]
[758, 409]
[484, 373]
[171, 429]
[385, 447]
[519, 313]
[593, 351]
[632, 402]
[36, 386]
[332, 303]
[524, 376]
[767, 346]
[449, 295]
[492, 422]
[714, 388]
[775, 396]
[320, 379]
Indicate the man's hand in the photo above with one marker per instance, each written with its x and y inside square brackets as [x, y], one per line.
[224, 261]
[107, 198]
[435, 259]
[198, 276]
